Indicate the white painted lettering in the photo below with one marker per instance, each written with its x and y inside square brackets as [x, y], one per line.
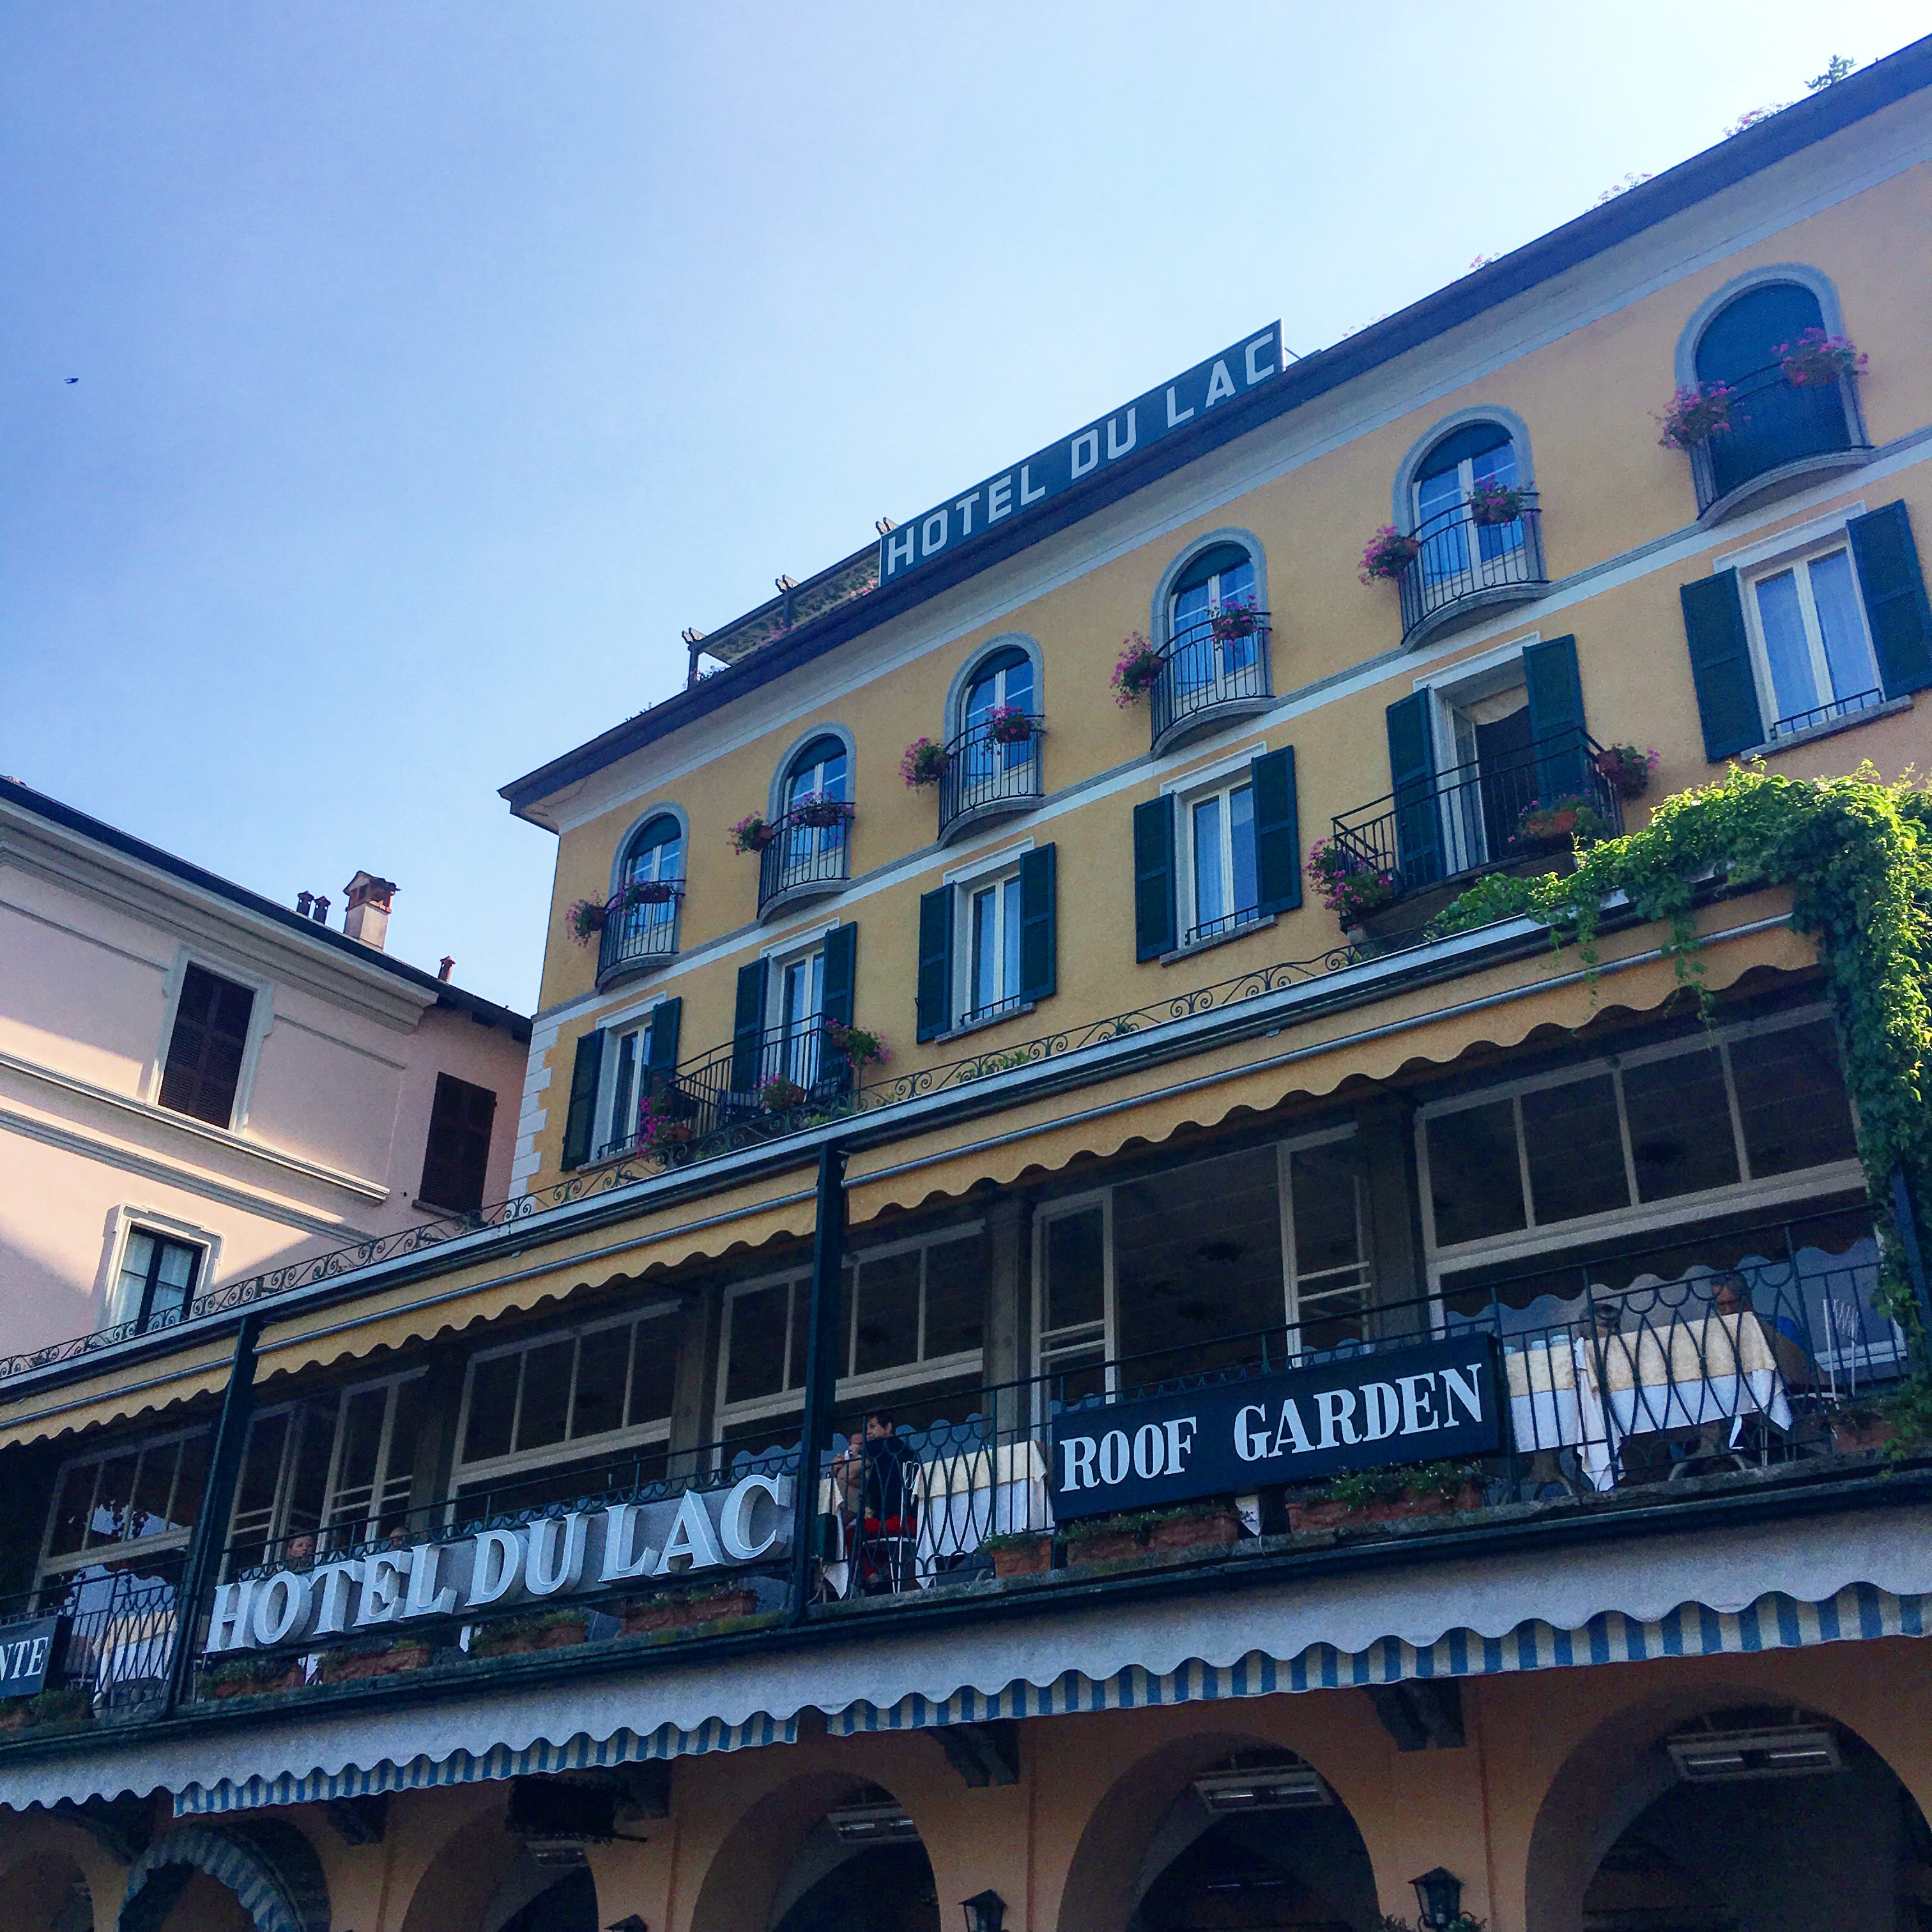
[620, 1528]
[1291, 1430]
[1464, 1386]
[1080, 1462]
[690, 1540]
[1220, 386]
[898, 549]
[1028, 494]
[964, 507]
[1000, 498]
[1256, 373]
[1175, 418]
[1381, 1411]
[1180, 1447]
[1149, 1450]
[932, 532]
[228, 1619]
[734, 1524]
[425, 1599]
[1086, 453]
[335, 1578]
[1251, 1438]
[499, 1561]
[37, 1658]
[1114, 1458]
[556, 1558]
[1418, 1405]
[1117, 449]
[1337, 1408]
[281, 1607]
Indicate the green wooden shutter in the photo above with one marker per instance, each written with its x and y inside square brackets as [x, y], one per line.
[935, 994]
[1277, 832]
[580, 1122]
[1155, 922]
[660, 1063]
[748, 1026]
[842, 961]
[1418, 821]
[1040, 947]
[1720, 665]
[1556, 718]
[1895, 602]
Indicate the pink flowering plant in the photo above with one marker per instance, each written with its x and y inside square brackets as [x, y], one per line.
[778, 1095]
[924, 763]
[1816, 360]
[1233, 622]
[660, 1131]
[1349, 889]
[751, 833]
[861, 1048]
[1135, 673]
[1695, 416]
[1389, 553]
[1626, 770]
[1492, 503]
[587, 918]
[819, 812]
[1572, 819]
[1008, 724]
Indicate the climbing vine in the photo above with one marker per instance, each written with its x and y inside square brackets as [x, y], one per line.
[1857, 853]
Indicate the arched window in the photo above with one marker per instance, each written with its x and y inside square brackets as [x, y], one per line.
[656, 851]
[1741, 341]
[1002, 682]
[1218, 581]
[994, 758]
[1469, 465]
[820, 770]
[814, 798]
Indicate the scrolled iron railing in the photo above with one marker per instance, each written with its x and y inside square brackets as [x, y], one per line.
[809, 849]
[1773, 423]
[1462, 560]
[1217, 660]
[989, 766]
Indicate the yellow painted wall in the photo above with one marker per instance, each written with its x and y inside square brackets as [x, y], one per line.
[1606, 488]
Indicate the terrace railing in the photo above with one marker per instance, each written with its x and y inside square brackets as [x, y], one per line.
[1774, 424]
[643, 933]
[989, 768]
[810, 852]
[1489, 813]
[1462, 564]
[1217, 663]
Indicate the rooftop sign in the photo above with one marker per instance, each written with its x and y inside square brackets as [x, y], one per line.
[1019, 490]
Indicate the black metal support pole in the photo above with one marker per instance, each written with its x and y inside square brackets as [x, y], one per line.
[821, 1368]
[1905, 1219]
[203, 1568]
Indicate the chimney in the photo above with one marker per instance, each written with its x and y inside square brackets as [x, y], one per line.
[303, 901]
[320, 915]
[367, 917]
[447, 966]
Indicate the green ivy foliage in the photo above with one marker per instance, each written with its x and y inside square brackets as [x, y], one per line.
[1857, 853]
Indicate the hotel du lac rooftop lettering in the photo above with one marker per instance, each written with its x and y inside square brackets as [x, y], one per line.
[1018, 490]
[498, 1568]
[1436, 1401]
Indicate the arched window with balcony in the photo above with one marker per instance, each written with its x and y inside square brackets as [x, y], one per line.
[1212, 631]
[993, 724]
[646, 893]
[1466, 500]
[1782, 421]
[809, 851]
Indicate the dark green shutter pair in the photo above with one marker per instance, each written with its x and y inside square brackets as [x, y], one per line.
[747, 1022]
[1277, 855]
[1555, 694]
[580, 1122]
[1896, 609]
[1039, 943]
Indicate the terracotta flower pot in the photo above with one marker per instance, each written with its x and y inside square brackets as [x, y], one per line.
[1107, 1547]
[1190, 1532]
[1323, 1515]
[265, 1686]
[1849, 1435]
[717, 1609]
[510, 1643]
[352, 1666]
[1030, 1557]
[1399, 1509]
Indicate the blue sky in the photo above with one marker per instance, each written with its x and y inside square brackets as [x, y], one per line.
[439, 363]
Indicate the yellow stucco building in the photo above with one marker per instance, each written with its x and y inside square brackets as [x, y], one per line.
[1095, 1329]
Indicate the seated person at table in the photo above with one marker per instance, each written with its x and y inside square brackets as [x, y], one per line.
[874, 1480]
[1731, 1295]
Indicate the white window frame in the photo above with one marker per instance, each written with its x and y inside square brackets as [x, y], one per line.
[261, 1024]
[965, 1013]
[1223, 786]
[129, 1219]
[1798, 559]
[274, 1528]
[849, 1388]
[51, 1567]
[799, 950]
[1533, 1239]
[634, 1022]
[568, 1448]
[380, 1504]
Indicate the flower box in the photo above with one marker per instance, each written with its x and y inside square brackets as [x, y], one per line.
[1389, 553]
[648, 891]
[924, 763]
[1816, 360]
[1626, 770]
[751, 833]
[1695, 416]
[652, 1614]
[249, 1679]
[1558, 826]
[1194, 1529]
[1021, 1555]
[777, 1095]
[1387, 1495]
[1852, 1433]
[65, 1704]
[1492, 504]
[352, 1666]
[858, 1046]
[1138, 670]
[1108, 1545]
[514, 1636]
[1234, 623]
[821, 814]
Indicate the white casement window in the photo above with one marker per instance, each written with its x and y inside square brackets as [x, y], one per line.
[554, 1401]
[627, 1054]
[1810, 648]
[136, 1500]
[1259, 1255]
[282, 1492]
[988, 947]
[156, 1280]
[1220, 580]
[912, 1312]
[372, 1471]
[797, 1004]
[1221, 887]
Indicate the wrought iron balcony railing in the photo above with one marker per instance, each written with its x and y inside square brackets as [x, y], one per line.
[1489, 813]
[809, 853]
[764, 1084]
[641, 933]
[1216, 665]
[1462, 564]
[1775, 425]
[987, 773]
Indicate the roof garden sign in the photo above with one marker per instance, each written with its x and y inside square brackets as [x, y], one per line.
[1020, 490]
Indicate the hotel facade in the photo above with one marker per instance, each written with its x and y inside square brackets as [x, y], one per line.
[1094, 1327]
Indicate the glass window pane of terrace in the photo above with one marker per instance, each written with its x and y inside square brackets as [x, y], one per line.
[1475, 1180]
[1575, 1145]
[756, 1364]
[1680, 1125]
[1791, 1099]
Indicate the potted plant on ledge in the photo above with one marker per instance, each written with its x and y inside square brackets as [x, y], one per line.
[1572, 820]
[751, 833]
[1492, 504]
[924, 763]
[1389, 553]
[1008, 724]
[859, 1048]
[1387, 1495]
[1351, 890]
[1626, 770]
[1695, 416]
[821, 813]
[1137, 671]
[1816, 360]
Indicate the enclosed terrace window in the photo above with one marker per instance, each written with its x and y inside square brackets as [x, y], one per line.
[129, 1501]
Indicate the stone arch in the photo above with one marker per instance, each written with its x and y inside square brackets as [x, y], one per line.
[44, 1885]
[954, 720]
[458, 1884]
[271, 1869]
[1101, 1891]
[1800, 274]
[781, 771]
[665, 808]
[742, 1880]
[1614, 1774]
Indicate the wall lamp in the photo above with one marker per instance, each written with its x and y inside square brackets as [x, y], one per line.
[1438, 1898]
[985, 1911]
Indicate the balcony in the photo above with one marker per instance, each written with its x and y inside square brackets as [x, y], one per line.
[1717, 1370]
[641, 932]
[808, 855]
[1463, 567]
[756, 1089]
[1783, 435]
[1520, 812]
[1212, 673]
[991, 771]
